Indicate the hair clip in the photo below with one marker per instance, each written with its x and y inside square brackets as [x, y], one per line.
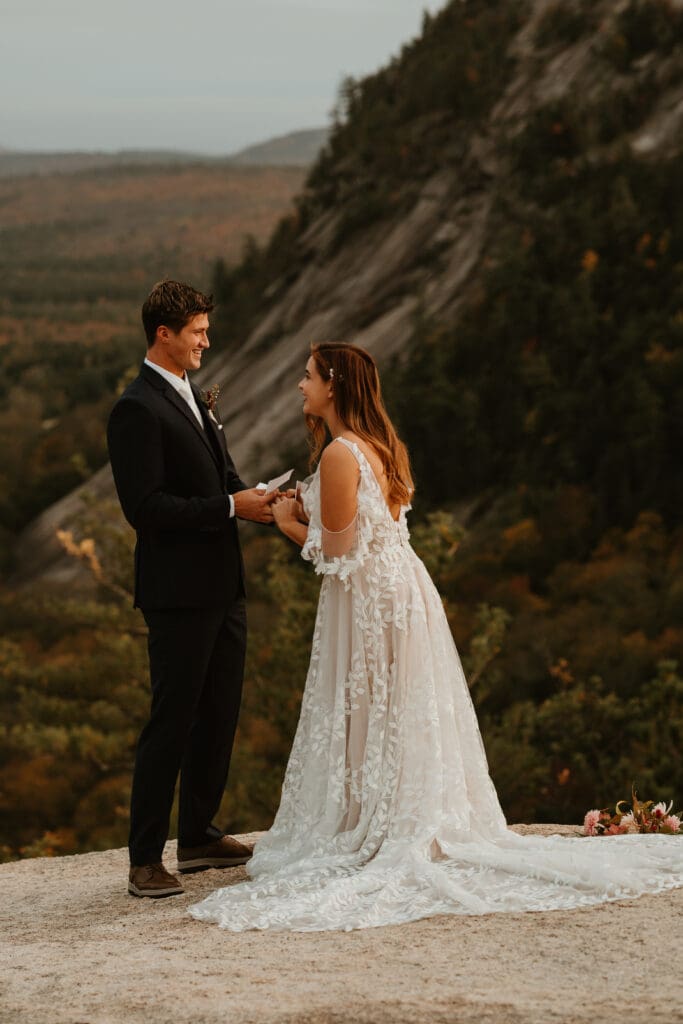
[332, 377]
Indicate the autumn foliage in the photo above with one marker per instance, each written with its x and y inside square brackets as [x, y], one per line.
[544, 422]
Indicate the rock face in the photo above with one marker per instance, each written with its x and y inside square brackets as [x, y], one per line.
[76, 947]
[427, 261]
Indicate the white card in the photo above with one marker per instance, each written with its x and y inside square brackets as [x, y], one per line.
[273, 484]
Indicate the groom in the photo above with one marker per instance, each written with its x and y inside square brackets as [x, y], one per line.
[180, 491]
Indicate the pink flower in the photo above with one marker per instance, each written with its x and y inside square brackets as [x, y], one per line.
[628, 822]
[642, 819]
[590, 822]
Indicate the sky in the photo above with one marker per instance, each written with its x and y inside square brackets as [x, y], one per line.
[209, 76]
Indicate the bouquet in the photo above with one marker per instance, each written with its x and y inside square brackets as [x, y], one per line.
[645, 818]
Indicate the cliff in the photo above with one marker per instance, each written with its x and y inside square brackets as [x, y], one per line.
[424, 173]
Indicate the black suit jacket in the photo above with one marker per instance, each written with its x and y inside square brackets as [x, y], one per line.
[173, 481]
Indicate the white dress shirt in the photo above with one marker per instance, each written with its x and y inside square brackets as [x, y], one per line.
[182, 386]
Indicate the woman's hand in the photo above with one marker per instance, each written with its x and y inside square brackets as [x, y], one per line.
[288, 509]
[295, 492]
[284, 510]
[290, 518]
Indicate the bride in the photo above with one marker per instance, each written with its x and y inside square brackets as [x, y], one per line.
[388, 813]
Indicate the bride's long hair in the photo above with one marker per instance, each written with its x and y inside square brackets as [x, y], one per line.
[358, 402]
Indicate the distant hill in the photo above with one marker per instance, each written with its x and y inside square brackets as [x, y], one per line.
[297, 149]
[17, 163]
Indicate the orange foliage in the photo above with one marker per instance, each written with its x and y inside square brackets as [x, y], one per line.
[525, 532]
[669, 642]
[590, 260]
[643, 243]
[33, 783]
[657, 353]
[636, 643]
[263, 737]
[52, 844]
[562, 672]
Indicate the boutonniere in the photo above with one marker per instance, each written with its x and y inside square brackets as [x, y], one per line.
[210, 398]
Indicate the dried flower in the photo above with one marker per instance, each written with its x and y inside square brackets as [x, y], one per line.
[590, 823]
[643, 817]
[85, 550]
[210, 397]
[629, 822]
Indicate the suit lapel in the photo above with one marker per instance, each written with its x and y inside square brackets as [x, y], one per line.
[181, 405]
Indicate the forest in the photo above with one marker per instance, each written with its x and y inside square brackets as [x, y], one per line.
[79, 253]
[545, 427]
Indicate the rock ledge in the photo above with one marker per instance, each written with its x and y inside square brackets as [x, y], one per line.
[78, 950]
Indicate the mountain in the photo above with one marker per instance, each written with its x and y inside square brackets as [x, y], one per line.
[296, 149]
[476, 152]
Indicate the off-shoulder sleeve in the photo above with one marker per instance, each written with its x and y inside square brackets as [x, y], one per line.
[337, 543]
[336, 554]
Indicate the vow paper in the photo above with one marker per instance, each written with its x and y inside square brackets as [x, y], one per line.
[273, 484]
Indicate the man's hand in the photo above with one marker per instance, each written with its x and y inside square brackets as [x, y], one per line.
[254, 504]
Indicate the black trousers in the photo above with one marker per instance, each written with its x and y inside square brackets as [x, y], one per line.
[196, 660]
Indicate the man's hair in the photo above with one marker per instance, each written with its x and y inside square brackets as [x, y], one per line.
[172, 304]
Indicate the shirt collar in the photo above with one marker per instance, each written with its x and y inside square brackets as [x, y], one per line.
[179, 383]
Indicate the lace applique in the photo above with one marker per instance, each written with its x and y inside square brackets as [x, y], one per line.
[388, 812]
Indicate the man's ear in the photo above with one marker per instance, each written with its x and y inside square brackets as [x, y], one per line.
[162, 335]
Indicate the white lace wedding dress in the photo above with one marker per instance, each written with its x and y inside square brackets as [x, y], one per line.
[388, 812]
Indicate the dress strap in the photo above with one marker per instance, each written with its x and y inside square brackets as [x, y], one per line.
[351, 445]
[336, 543]
[364, 462]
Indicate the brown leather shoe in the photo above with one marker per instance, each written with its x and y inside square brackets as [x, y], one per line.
[153, 880]
[225, 852]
